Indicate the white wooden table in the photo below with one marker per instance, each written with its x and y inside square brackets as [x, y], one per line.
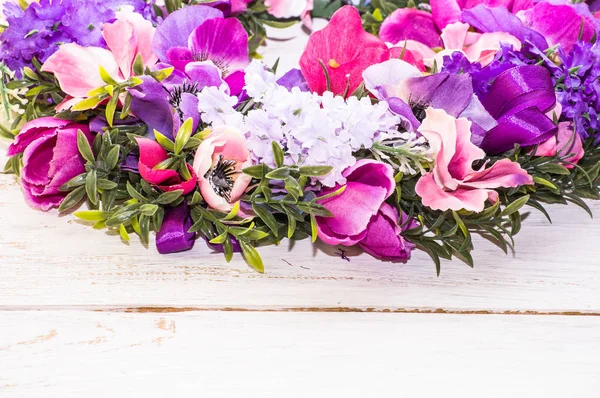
[83, 315]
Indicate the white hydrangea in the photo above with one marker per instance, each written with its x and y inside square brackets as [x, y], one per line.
[313, 129]
[216, 107]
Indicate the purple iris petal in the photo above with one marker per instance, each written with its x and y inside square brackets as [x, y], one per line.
[150, 103]
[443, 91]
[223, 41]
[175, 30]
[499, 19]
[173, 236]
[403, 110]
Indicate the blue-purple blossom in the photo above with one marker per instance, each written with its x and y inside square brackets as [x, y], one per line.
[40, 29]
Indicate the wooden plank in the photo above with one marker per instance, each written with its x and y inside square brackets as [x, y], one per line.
[57, 261]
[224, 354]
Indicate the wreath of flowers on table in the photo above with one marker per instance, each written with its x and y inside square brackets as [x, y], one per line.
[408, 125]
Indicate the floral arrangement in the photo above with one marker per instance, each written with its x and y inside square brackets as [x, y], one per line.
[408, 125]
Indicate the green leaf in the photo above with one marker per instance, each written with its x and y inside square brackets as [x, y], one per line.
[234, 212]
[267, 218]
[219, 239]
[162, 74]
[544, 182]
[84, 147]
[277, 153]
[332, 194]
[72, 199]
[553, 168]
[91, 186]
[112, 159]
[123, 215]
[259, 171]
[278, 24]
[252, 256]
[106, 185]
[169, 197]
[91, 215]
[183, 135]
[138, 65]
[144, 229]
[105, 76]
[148, 209]
[315, 171]
[111, 107]
[515, 206]
[134, 193]
[280, 173]
[86, 104]
[314, 228]
[164, 141]
[123, 233]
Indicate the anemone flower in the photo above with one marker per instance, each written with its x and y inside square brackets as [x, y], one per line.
[200, 33]
[165, 105]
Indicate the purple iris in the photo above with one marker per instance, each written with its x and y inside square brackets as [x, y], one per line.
[38, 30]
[200, 33]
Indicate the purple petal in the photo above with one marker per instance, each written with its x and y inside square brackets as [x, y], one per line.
[526, 127]
[519, 88]
[175, 30]
[189, 109]
[36, 160]
[223, 41]
[294, 78]
[151, 105]
[403, 110]
[173, 236]
[452, 93]
[179, 57]
[205, 74]
[499, 19]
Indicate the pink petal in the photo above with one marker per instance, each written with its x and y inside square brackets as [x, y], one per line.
[461, 164]
[144, 34]
[485, 48]
[44, 126]
[373, 173]
[122, 42]
[187, 186]
[412, 24]
[504, 173]
[77, 68]
[454, 35]
[445, 12]
[37, 202]
[438, 199]
[569, 143]
[36, 160]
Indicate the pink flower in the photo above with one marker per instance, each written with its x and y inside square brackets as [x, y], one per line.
[383, 238]
[239, 6]
[345, 50]
[291, 9]
[151, 154]
[453, 184]
[369, 183]
[567, 143]
[477, 47]
[50, 159]
[77, 68]
[218, 163]
[411, 24]
[448, 11]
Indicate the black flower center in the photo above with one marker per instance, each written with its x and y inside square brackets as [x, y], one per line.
[418, 109]
[175, 96]
[220, 177]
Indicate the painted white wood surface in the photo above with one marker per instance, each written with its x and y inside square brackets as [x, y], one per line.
[57, 273]
[224, 354]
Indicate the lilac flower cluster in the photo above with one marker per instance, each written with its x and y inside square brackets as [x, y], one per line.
[38, 30]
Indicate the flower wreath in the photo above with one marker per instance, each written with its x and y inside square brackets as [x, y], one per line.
[403, 128]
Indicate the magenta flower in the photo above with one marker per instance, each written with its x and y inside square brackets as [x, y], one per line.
[384, 239]
[199, 33]
[218, 163]
[345, 50]
[448, 11]
[453, 184]
[50, 159]
[151, 154]
[369, 184]
[410, 24]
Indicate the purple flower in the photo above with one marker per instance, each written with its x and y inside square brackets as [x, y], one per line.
[38, 30]
[200, 33]
[165, 105]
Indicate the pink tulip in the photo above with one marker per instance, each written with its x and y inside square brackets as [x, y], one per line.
[151, 154]
[77, 68]
[453, 184]
[567, 143]
[50, 159]
[477, 47]
[345, 50]
[290, 9]
[383, 239]
[218, 163]
[369, 184]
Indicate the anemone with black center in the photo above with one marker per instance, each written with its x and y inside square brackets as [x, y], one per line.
[220, 177]
[175, 95]
[418, 108]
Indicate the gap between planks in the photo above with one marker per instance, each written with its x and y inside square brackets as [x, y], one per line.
[166, 310]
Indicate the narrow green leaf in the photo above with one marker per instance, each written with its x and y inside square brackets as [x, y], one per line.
[515, 206]
[252, 256]
[106, 185]
[88, 103]
[280, 173]
[164, 141]
[169, 197]
[277, 153]
[314, 228]
[72, 199]
[112, 159]
[144, 229]
[219, 239]
[183, 135]
[105, 76]
[84, 147]
[138, 65]
[91, 186]
[233, 213]
[267, 218]
[134, 193]
[123, 233]
[259, 171]
[91, 215]
[111, 107]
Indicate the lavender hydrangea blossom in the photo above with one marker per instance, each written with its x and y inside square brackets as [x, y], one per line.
[37, 31]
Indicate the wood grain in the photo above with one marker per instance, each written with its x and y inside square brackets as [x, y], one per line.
[216, 354]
